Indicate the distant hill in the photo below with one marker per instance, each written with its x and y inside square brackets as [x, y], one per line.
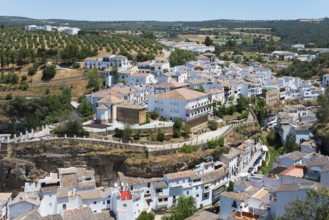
[291, 31]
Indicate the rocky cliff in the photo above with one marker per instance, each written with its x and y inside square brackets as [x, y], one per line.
[33, 160]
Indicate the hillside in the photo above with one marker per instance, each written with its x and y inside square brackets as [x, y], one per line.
[13, 39]
[290, 31]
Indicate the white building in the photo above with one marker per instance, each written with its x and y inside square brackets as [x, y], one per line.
[127, 204]
[232, 159]
[183, 103]
[5, 198]
[287, 193]
[107, 61]
[137, 79]
[71, 31]
[231, 201]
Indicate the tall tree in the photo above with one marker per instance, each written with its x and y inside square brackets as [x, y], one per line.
[186, 207]
[146, 216]
[323, 103]
[314, 207]
[93, 82]
[208, 41]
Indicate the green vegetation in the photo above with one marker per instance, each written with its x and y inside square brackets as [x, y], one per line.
[146, 216]
[48, 72]
[180, 57]
[186, 206]
[315, 206]
[208, 41]
[154, 115]
[187, 149]
[306, 70]
[216, 143]
[93, 80]
[32, 113]
[212, 125]
[230, 187]
[323, 110]
[177, 128]
[161, 136]
[85, 108]
[21, 47]
[71, 127]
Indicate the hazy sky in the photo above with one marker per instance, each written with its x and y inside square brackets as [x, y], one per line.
[165, 10]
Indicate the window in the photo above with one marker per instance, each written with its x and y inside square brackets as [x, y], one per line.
[234, 205]
[124, 205]
[95, 202]
[103, 202]
[187, 192]
[64, 207]
[197, 195]
[166, 199]
[108, 201]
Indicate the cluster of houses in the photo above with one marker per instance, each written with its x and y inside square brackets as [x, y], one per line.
[73, 191]
[67, 30]
[266, 197]
[191, 46]
[295, 121]
[187, 91]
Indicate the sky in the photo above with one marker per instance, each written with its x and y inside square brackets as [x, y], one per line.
[166, 10]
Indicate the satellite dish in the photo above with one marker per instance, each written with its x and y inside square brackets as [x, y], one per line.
[116, 184]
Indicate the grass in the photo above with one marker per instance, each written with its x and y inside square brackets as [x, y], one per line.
[273, 153]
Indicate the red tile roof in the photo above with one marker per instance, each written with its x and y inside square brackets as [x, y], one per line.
[125, 195]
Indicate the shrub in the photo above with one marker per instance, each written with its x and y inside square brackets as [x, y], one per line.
[9, 96]
[32, 71]
[187, 149]
[161, 137]
[118, 133]
[24, 78]
[76, 65]
[212, 125]
[23, 86]
[48, 72]
[137, 135]
[154, 115]
[177, 134]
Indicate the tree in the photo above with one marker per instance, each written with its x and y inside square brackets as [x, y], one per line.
[115, 75]
[185, 208]
[315, 206]
[323, 110]
[230, 186]
[291, 144]
[177, 128]
[242, 103]
[186, 130]
[180, 57]
[146, 216]
[93, 82]
[85, 108]
[70, 53]
[48, 72]
[127, 133]
[72, 126]
[208, 41]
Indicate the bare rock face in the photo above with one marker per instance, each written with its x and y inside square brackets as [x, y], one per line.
[15, 172]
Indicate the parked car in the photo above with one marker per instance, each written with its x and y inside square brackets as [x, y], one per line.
[250, 170]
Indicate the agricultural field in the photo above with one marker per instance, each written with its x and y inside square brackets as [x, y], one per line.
[20, 45]
[222, 38]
